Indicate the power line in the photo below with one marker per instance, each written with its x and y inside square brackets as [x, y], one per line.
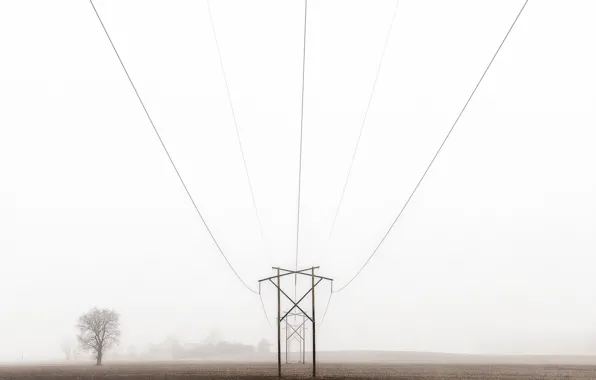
[263, 306]
[326, 308]
[438, 151]
[223, 71]
[168, 153]
[300, 157]
[364, 118]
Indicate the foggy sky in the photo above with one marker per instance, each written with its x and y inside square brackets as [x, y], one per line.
[493, 255]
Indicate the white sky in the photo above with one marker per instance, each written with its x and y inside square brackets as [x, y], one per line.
[493, 255]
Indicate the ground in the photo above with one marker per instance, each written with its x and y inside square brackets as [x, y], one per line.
[175, 371]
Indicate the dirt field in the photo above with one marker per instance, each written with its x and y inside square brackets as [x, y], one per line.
[175, 371]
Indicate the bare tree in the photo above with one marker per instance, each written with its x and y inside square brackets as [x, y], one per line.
[74, 352]
[66, 349]
[214, 336]
[99, 329]
[264, 346]
[68, 346]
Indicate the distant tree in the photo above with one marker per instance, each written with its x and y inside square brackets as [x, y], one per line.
[131, 352]
[69, 348]
[264, 346]
[66, 349]
[99, 329]
[214, 336]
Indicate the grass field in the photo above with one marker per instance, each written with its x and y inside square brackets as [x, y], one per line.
[172, 371]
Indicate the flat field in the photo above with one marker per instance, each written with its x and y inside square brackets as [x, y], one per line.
[179, 371]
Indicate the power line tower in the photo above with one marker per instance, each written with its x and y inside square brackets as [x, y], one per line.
[315, 280]
[296, 332]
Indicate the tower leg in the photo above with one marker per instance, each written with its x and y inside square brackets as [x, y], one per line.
[278, 326]
[314, 344]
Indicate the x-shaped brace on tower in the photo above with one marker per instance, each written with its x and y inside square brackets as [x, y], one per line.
[310, 272]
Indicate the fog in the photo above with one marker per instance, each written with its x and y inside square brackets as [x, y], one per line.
[494, 253]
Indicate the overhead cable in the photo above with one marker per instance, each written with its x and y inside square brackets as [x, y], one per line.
[225, 78]
[438, 151]
[327, 307]
[168, 154]
[300, 156]
[343, 191]
[263, 306]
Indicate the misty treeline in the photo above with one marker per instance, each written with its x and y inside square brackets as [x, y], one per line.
[99, 332]
[172, 348]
